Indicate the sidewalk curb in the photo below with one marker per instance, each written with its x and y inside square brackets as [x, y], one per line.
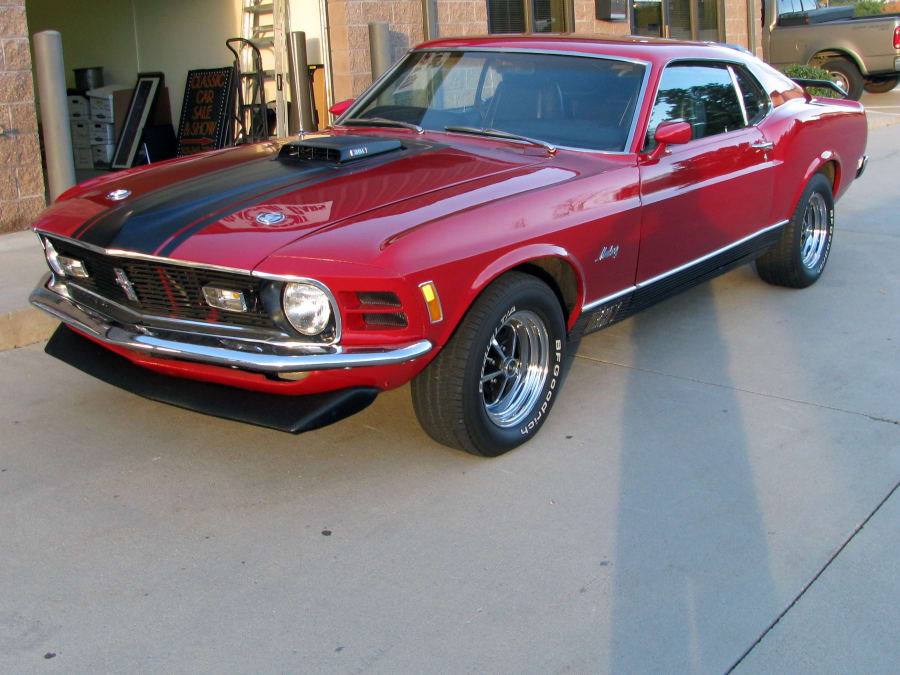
[25, 327]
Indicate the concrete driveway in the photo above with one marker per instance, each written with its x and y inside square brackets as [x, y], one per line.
[882, 109]
[715, 489]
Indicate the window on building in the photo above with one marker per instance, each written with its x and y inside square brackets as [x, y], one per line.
[510, 16]
[506, 16]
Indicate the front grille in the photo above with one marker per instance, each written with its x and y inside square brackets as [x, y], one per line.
[385, 298]
[386, 319]
[166, 290]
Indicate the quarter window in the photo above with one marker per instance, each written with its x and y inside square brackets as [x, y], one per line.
[702, 95]
[756, 103]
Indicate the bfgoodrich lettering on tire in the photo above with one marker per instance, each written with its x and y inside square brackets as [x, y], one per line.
[492, 385]
[800, 255]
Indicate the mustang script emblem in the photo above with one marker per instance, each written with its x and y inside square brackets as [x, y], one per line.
[123, 281]
[608, 252]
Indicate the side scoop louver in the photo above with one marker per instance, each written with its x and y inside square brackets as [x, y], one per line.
[339, 149]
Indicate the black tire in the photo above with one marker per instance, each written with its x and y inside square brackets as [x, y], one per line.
[881, 85]
[843, 72]
[800, 255]
[455, 403]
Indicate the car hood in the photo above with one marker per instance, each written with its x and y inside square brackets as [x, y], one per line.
[235, 208]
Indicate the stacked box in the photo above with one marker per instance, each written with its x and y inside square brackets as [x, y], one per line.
[80, 126]
[102, 133]
[79, 108]
[84, 158]
[102, 155]
[81, 133]
[105, 102]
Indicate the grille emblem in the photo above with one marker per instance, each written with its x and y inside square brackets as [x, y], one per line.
[269, 218]
[123, 281]
[118, 195]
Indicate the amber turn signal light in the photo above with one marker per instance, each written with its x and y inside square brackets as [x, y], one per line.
[432, 301]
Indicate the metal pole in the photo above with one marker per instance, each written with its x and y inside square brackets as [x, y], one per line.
[326, 61]
[752, 18]
[429, 20]
[300, 85]
[569, 14]
[529, 16]
[51, 82]
[379, 47]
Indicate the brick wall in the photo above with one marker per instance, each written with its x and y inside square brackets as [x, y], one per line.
[21, 177]
[736, 22]
[586, 22]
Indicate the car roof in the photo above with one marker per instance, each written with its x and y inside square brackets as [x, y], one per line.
[654, 50]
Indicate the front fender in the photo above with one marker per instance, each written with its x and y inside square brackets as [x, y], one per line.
[506, 262]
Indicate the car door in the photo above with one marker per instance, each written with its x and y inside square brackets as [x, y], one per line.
[705, 195]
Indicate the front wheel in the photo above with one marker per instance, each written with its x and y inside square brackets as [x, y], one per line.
[493, 384]
[799, 257]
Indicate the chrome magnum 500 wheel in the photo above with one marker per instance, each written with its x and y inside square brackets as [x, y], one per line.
[493, 384]
[800, 255]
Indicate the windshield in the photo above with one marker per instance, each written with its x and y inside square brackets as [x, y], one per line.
[569, 101]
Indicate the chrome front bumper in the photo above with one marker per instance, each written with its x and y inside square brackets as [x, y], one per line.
[265, 356]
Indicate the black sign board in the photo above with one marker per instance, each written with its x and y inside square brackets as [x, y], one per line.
[142, 100]
[611, 10]
[206, 111]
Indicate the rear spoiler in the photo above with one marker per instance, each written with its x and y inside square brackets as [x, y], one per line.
[819, 84]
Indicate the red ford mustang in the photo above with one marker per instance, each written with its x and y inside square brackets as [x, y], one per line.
[464, 222]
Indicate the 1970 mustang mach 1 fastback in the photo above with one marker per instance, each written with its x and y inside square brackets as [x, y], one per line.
[464, 222]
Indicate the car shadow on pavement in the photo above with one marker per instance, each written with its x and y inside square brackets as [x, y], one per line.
[692, 577]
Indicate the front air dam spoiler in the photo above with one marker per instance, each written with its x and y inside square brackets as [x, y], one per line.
[294, 414]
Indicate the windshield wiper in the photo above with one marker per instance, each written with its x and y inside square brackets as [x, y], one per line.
[383, 122]
[496, 133]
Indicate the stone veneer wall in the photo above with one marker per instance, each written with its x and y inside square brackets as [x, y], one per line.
[21, 177]
[349, 19]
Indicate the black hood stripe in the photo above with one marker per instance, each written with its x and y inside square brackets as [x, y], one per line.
[127, 205]
[157, 222]
[146, 222]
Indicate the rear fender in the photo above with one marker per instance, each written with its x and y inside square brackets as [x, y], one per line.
[827, 157]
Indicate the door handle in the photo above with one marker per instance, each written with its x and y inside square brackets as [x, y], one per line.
[763, 145]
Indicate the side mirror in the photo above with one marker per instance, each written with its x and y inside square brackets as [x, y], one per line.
[338, 108]
[669, 133]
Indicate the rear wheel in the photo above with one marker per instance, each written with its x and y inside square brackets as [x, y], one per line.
[493, 384]
[800, 255]
[880, 85]
[845, 75]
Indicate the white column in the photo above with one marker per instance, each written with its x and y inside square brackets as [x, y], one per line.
[51, 83]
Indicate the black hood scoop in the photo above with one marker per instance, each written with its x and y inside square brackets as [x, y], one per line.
[337, 149]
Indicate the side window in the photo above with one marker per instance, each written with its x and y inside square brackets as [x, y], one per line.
[702, 95]
[756, 103]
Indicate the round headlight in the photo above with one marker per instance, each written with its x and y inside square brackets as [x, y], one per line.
[306, 307]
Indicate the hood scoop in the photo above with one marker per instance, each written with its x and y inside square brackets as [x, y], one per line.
[338, 149]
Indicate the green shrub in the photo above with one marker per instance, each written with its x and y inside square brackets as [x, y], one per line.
[810, 73]
[868, 8]
[861, 7]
